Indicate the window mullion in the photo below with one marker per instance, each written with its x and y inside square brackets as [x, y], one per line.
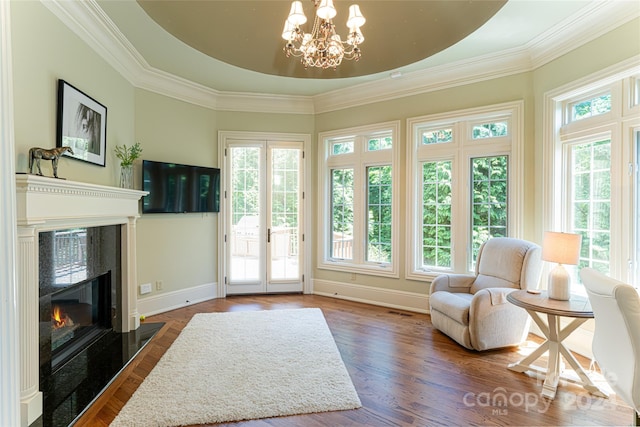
[461, 207]
[359, 202]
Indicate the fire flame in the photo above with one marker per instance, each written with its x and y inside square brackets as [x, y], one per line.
[60, 319]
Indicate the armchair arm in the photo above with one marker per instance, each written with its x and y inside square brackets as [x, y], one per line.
[452, 283]
[494, 322]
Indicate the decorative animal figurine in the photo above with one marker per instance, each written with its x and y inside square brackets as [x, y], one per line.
[36, 154]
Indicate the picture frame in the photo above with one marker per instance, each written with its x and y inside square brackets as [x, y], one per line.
[82, 125]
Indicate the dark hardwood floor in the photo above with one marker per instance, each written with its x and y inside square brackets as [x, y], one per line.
[406, 373]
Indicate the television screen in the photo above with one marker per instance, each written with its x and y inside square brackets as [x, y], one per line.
[176, 188]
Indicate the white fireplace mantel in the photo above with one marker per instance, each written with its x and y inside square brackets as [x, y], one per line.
[44, 204]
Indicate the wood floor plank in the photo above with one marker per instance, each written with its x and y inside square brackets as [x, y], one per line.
[406, 373]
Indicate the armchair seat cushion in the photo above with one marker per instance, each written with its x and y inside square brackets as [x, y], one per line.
[455, 305]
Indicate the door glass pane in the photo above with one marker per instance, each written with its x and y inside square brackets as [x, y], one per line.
[245, 214]
[285, 213]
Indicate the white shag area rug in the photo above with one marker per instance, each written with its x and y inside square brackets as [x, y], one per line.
[244, 365]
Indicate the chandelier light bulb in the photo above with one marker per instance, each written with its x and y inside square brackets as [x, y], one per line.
[356, 19]
[297, 16]
[326, 10]
[355, 36]
[289, 30]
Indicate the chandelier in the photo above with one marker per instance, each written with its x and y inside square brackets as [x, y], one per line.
[322, 48]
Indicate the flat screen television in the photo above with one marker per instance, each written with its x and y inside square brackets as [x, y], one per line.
[176, 188]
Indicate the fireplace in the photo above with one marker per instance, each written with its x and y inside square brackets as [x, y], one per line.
[78, 287]
[78, 315]
[72, 319]
[76, 250]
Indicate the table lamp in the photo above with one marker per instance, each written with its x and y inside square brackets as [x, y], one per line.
[563, 248]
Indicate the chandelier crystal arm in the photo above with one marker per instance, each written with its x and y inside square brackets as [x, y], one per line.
[322, 48]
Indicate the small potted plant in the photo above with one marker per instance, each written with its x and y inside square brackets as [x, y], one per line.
[127, 156]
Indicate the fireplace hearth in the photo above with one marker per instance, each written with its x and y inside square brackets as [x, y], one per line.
[80, 349]
[71, 389]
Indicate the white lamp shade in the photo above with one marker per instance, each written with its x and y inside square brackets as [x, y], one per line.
[563, 248]
[288, 31]
[296, 15]
[356, 19]
[326, 10]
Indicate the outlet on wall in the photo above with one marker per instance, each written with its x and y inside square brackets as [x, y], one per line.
[158, 285]
[145, 288]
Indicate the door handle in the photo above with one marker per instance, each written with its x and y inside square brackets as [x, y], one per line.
[268, 235]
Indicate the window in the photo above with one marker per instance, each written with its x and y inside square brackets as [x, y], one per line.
[462, 174]
[592, 159]
[438, 136]
[635, 185]
[342, 213]
[360, 221]
[489, 185]
[379, 204]
[490, 130]
[436, 214]
[590, 201]
[590, 107]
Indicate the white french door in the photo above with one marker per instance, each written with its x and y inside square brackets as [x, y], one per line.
[264, 216]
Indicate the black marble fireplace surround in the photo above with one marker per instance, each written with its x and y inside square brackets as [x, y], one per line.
[81, 350]
[80, 275]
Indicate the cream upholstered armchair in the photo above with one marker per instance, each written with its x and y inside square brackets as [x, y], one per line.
[616, 338]
[473, 309]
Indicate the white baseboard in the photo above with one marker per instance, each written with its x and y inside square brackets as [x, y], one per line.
[579, 341]
[167, 301]
[402, 300]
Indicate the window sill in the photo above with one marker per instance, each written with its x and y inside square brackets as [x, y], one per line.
[383, 270]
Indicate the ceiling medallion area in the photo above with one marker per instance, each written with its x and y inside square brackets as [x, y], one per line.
[248, 34]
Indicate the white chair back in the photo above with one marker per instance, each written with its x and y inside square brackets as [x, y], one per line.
[616, 340]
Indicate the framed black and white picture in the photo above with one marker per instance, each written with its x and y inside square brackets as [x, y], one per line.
[82, 125]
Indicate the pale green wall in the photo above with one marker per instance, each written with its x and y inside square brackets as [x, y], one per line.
[45, 50]
[178, 249]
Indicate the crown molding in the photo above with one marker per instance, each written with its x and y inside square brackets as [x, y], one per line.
[90, 23]
[264, 103]
[87, 20]
[454, 74]
[589, 23]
